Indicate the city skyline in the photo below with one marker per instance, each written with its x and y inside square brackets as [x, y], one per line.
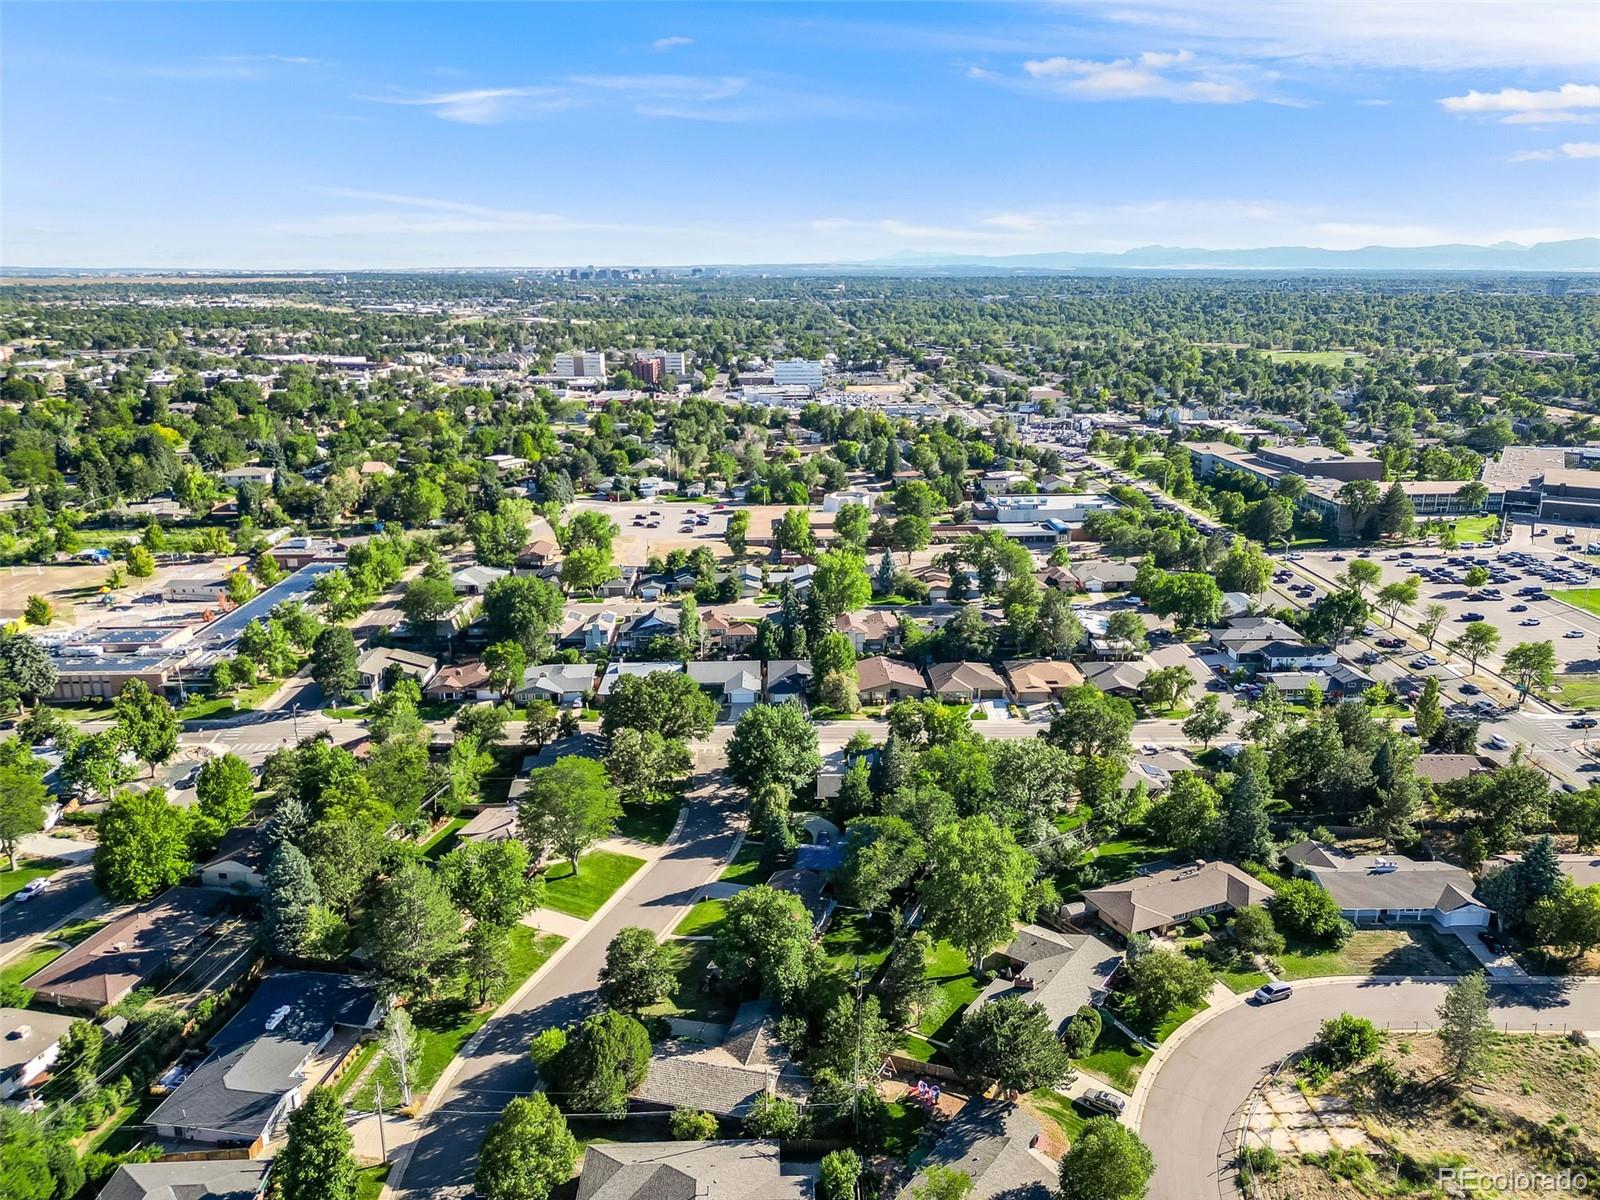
[348, 137]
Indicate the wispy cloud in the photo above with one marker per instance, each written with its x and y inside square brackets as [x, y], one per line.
[700, 88]
[1565, 150]
[1566, 104]
[487, 106]
[230, 66]
[670, 43]
[1174, 76]
[396, 214]
[1430, 35]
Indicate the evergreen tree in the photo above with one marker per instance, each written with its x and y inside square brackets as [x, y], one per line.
[285, 906]
[315, 1162]
[1245, 832]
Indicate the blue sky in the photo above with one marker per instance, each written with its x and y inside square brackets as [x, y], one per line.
[453, 134]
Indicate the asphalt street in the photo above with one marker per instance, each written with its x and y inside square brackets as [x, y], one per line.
[497, 1066]
[69, 891]
[1192, 1100]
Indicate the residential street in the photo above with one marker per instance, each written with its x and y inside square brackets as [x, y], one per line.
[1191, 1102]
[496, 1065]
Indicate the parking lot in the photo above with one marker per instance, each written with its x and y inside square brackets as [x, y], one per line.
[1517, 598]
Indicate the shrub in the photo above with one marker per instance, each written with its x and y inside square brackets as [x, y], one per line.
[773, 1117]
[1082, 1032]
[1345, 1040]
[546, 1044]
[692, 1125]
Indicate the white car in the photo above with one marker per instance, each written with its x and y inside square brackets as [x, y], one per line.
[1528, 621]
[1497, 741]
[32, 889]
[1573, 633]
[1271, 993]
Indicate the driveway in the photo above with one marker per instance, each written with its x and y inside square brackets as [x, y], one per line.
[1192, 1100]
[496, 1066]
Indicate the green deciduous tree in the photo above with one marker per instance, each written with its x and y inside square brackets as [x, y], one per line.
[974, 892]
[1012, 1042]
[1107, 1161]
[764, 941]
[774, 743]
[146, 723]
[568, 807]
[605, 1058]
[637, 972]
[664, 702]
[1530, 665]
[413, 928]
[527, 1153]
[489, 881]
[144, 846]
[1476, 640]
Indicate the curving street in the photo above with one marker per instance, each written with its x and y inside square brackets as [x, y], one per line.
[1191, 1100]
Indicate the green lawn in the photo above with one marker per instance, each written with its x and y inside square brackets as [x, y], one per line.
[600, 873]
[1117, 1059]
[1112, 860]
[1476, 529]
[852, 935]
[370, 1181]
[690, 962]
[919, 1048]
[746, 865]
[1575, 691]
[702, 919]
[28, 869]
[443, 839]
[649, 823]
[200, 708]
[1417, 950]
[1316, 358]
[364, 1054]
[1587, 599]
[902, 1125]
[957, 988]
[1240, 982]
[1061, 1110]
[41, 956]
[447, 1022]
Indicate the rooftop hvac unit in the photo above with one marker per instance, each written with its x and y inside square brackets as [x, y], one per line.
[278, 1014]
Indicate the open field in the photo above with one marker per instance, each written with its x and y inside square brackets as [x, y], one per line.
[1316, 358]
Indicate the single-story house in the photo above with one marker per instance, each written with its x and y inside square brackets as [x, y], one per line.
[715, 1170]
[995, 1143]
[30, 1042]
[235, 476]
[1037, 680]
[1061, 971]
[1161, 899]
[626, 580]
[1103, 575]
[538, 554]
[884, 680]
[1295, 656]
[590, 632]
[616, 670]
[493, 823]
[1059, 577]
[1380, 889]
[1116, 678]
[727, 1078]
[1241, 639]
[375, 665]
[195, 1179]
[1447, 768]
[460, 681]
[259, 1062]
[871, 631]
[563, 684]
[1582, 869]
[788, 679]
[474, 580]
[107, 965]
[965, 682]
[736, 684]
[239, 864]
[1338, 682]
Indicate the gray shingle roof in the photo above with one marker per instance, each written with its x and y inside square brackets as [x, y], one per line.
[992, 1141]
[1064, 970]
[725, 1079]
[720, 1170]
[1369, 881]
[213, 1179]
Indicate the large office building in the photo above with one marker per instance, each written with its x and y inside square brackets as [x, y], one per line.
[1024, 509]
[580, 364]
[673, 362]
[797, 372]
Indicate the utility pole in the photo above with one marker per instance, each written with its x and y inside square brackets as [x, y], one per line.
[855, 1067]
[383, 1149]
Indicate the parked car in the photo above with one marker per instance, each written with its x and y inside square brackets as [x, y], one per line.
[1100, 1100]
[1528, 621]
[1271, 993]
[31, 889]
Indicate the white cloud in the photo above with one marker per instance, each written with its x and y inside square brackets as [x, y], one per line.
[1153, 75]
[700, 88]
[393, 214]
[1566, 150]
[670, 43]
[1433, 35]
[1375, 102]
[1525, 104]
[487, 106]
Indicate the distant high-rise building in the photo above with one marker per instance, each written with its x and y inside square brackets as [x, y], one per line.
[673, 362]
[797, 372]
[651, 370]
[580, 364]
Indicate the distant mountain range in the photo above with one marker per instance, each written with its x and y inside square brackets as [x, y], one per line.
[1578, 254]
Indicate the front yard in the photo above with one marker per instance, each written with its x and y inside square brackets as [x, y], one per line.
[446, 1022]
[702, 919]
[28, 869]
[1414, 950]
[580, 894]
[694, 1000]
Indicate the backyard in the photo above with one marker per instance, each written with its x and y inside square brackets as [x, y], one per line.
[581, 893]
[690, 963]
